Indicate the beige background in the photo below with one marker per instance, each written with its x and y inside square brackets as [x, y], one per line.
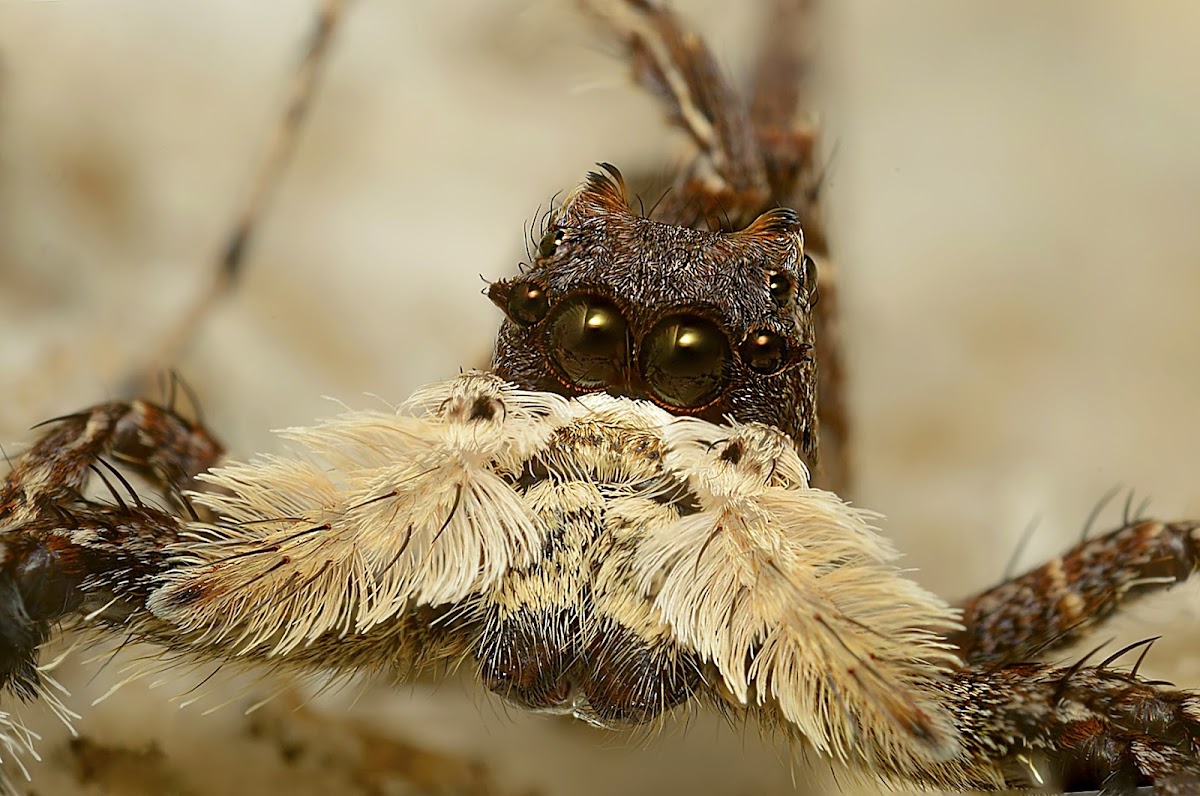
[1014, 195]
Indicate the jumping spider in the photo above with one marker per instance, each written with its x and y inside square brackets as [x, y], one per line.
[628, 359]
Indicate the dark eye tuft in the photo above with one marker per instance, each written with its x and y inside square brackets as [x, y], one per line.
[733, 452]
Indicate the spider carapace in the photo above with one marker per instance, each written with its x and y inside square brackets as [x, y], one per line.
[704, 324]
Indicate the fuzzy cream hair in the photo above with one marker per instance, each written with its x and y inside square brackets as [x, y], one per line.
[796, 599]
[790, 593]
[377, 509]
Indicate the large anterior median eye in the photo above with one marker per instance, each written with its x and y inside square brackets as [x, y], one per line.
[683, 361]
[589, 342]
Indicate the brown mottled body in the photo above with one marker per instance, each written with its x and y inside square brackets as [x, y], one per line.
[567, 634]
[564, 635]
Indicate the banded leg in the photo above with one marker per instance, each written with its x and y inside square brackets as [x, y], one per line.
[1076, 728]
[783, 118]
[728, 178]
[231, 263]
[1061, 601]
[788, 134]
[53, 539]
[750, 156]
[1033, 726]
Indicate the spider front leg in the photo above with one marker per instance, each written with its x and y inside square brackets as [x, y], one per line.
[1091, 725]
[104, 564]
[156, 442]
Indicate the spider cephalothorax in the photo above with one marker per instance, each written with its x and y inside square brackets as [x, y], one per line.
[707, 324]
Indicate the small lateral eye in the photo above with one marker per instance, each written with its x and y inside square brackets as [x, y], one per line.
[550, 242]
[527, 303]
[764, 351]
[782, 287]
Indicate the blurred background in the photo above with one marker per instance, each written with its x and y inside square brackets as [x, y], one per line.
[1013, 190]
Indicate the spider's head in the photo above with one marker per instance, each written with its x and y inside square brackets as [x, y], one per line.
[710, 324]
